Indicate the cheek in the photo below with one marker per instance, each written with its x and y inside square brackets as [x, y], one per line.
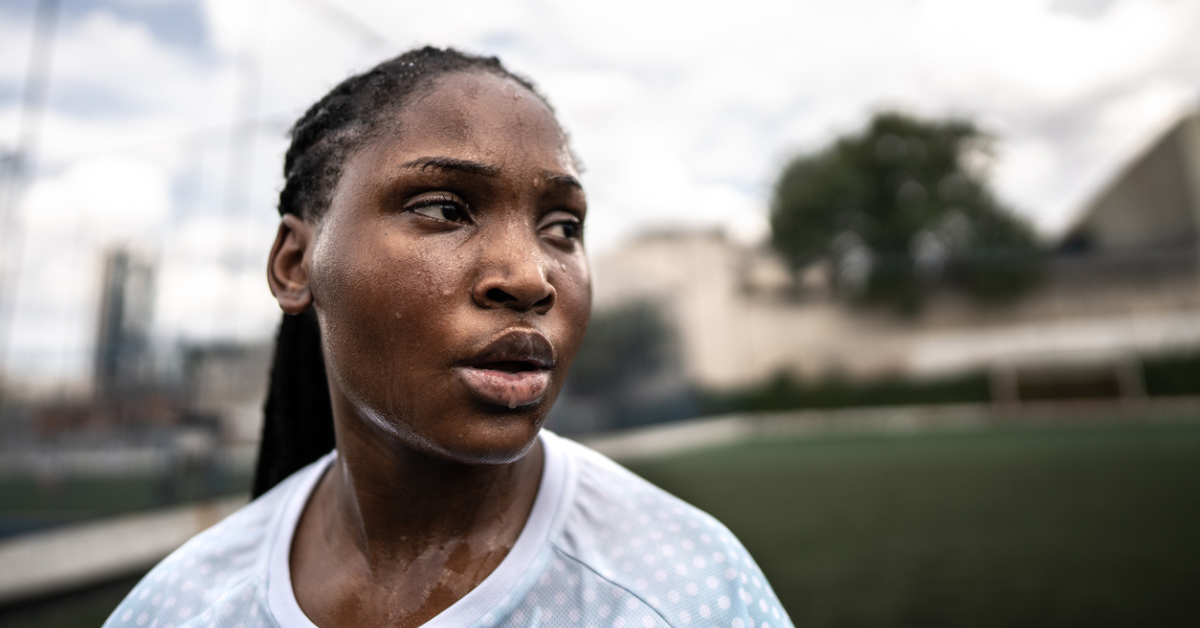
[384, 311]
[574, 302]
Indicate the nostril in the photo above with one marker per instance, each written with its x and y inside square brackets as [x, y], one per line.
[496, 295]
[516, 296]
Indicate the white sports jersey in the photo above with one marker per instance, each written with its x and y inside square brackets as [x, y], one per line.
[602, 547]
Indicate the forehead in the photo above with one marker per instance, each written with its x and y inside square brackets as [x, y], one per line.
[481, 117]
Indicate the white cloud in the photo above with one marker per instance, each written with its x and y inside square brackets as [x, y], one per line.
[104, 199]
[212, 239]
[151, 3]
[208, 301]
[68, 222]
[682, 115]
[716, 94]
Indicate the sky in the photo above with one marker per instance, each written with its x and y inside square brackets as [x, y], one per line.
[166, 121]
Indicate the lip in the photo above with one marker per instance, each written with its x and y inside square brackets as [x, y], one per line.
[513, 370]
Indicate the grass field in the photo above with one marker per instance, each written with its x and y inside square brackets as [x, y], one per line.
[27, 505]
[1081, 526]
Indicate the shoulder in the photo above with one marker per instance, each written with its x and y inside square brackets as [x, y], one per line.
[219, 575]
[661, 551]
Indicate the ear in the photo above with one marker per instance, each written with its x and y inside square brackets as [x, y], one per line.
[287, 267]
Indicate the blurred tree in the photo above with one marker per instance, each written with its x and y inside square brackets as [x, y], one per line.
[628, 370]
[899, 207]
[623, 347]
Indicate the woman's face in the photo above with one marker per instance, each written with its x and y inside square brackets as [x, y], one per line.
[449, 274]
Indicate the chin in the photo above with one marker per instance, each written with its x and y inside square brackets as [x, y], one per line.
[485, 438]
[496, 442]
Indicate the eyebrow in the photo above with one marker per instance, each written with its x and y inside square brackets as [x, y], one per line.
[447, 163]
[565, 180]
[474, 167]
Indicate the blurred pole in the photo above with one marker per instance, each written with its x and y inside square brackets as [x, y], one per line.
[239, 177]
[21, 166]
[341, 16]
[243, 134]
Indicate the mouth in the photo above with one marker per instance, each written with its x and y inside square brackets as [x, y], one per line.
[511, 371]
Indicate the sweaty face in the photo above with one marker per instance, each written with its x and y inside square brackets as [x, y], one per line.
[449, 274]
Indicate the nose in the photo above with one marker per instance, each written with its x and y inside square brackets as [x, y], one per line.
[514, 275]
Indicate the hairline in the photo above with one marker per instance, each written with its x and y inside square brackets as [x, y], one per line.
[376, 125]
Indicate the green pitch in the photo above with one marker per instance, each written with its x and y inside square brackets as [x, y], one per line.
[1081, 526]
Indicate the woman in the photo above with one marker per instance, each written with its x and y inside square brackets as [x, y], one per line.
[432, 220]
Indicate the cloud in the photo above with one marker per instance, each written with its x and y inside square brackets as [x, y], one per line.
[682, 115]
[209, 301]
[104, 199]
[723, 95]
[68, 222]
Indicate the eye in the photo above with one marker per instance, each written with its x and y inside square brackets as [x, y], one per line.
[441, 209]
[567, 229]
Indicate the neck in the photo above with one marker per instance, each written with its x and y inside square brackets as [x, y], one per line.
[400, 505]
[397, 533]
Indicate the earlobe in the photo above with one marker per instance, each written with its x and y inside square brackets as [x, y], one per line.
[287, 266]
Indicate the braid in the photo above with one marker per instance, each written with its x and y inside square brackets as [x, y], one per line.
[298, 418]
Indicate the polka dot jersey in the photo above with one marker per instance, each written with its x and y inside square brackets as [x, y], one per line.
[602, 548]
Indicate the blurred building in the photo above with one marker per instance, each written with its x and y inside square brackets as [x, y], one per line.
[122, 358]
[129, 395]
[1153, 206]
[227, 385]
[1123, 283]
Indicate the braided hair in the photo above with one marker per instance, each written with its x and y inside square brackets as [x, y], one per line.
[298, 417]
